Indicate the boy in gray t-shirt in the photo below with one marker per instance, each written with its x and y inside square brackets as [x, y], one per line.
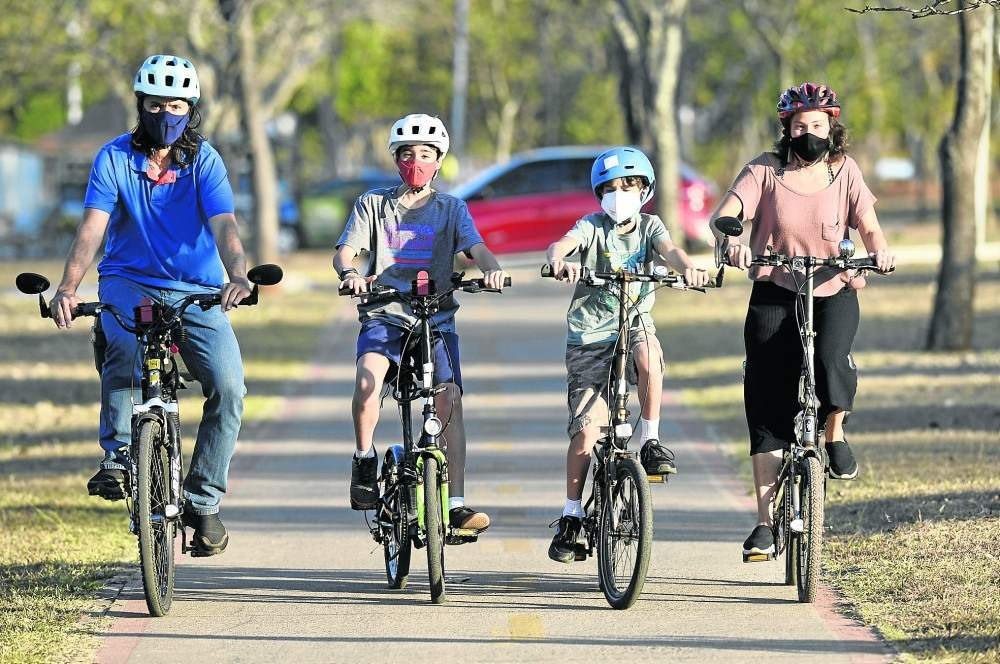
[619, 238]
[405, 230]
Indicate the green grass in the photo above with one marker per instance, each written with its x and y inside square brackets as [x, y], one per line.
[58, 546]
[914, 543]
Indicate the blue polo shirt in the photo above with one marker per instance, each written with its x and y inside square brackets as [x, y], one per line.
[158, 234]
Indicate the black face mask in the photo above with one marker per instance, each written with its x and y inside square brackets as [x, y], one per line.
[809, 147]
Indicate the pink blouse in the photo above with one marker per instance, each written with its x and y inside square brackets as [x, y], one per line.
[798, 224]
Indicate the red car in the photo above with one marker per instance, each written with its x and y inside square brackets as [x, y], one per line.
[529, 202]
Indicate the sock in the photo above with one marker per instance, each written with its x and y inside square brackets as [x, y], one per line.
[573, 508]
[455, 501]
[358, 454]
[648, 429]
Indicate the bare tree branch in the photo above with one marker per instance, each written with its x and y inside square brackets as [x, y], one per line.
[931, 9]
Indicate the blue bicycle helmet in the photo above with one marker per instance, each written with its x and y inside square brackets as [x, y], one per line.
[620, 163]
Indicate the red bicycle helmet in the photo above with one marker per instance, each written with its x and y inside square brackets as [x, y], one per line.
[808, 97]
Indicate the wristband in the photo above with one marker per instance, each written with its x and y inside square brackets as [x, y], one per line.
[346, 271]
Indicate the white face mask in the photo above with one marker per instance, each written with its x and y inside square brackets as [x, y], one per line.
[621, 205]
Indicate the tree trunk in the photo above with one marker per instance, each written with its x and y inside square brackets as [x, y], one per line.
[265, 189]
[649, 40]
[951, 323]
[663, 120]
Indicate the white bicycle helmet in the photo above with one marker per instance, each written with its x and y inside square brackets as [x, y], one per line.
[168, 76]
[419, 129]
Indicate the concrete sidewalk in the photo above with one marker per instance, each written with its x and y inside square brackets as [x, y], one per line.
[303, 581]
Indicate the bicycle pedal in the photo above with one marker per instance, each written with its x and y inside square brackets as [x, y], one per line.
[757, 557]
[455, 540]
[657, 479]
[580, 552]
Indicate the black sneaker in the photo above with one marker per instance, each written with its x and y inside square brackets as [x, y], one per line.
[656, 459]
[210, 537]
[364, 483]
[760, 543]
[466, 518]
[109, 481]
[842, 463]
[563, 547]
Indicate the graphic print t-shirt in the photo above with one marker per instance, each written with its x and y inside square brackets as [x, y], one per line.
[400, 243]
[593, 313]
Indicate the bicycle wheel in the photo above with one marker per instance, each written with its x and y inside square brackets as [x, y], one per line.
[809, 544]
[156, 531]
[394, 523]
[626, 536]
[435, 529]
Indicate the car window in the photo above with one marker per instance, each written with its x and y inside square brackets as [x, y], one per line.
[537, 177]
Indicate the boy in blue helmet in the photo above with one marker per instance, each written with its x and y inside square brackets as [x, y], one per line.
[620, 237]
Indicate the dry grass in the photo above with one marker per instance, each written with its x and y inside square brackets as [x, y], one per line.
[914, 544]
[58, 546]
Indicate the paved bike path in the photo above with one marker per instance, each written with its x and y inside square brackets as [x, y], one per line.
[303, 581]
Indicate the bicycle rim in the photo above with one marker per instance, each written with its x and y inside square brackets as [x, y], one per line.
[626, 536]
[810, 542]
[156, 531]
[435, 529]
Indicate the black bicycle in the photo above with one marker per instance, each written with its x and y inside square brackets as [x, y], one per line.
[799, 500]
[154, 465]
[412, 509]
[618, 519]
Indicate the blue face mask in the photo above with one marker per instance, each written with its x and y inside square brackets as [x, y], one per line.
[163, 127]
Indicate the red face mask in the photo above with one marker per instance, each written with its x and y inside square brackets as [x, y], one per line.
[415, 173]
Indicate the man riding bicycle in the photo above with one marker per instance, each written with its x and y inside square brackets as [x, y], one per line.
[162, 195]
[407, 229]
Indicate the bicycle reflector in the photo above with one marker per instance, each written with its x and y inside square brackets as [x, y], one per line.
[145, 313]
[423, 285]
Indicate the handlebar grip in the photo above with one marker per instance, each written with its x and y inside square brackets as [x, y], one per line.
[86, 309]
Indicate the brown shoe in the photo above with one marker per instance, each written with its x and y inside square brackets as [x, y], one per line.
[466, 518]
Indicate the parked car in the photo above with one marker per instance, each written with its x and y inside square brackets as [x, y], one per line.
[326, 205]
[531, 200]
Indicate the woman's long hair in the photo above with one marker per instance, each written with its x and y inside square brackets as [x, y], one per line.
[838, 140]
[183, 151]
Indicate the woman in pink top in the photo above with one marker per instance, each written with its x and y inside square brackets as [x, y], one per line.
[801, 199]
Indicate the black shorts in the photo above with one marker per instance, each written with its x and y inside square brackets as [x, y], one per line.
[774, 361]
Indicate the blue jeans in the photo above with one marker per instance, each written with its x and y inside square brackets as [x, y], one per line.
[211, 354]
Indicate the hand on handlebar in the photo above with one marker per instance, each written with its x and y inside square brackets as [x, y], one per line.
[233, 293]
[62, 307]
[356, 284]
[696, 278]
[884, 260]
[739, 256]
[565, 271]
[495, 279]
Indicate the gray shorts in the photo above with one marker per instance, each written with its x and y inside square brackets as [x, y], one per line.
[588, 368]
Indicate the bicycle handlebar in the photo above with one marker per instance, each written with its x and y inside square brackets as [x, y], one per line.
[379, 294]
[674, 280]
[799, 262]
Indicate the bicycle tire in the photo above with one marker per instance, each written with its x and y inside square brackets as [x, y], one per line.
[810, 542]
[788, 538]
[434, 526]
[626, 536]
[396, 544]
[156, 531]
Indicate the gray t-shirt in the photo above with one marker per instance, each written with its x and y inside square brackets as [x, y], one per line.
[593, 313]
[402, 242]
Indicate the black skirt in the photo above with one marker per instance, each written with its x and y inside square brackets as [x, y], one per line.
[774, 361]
